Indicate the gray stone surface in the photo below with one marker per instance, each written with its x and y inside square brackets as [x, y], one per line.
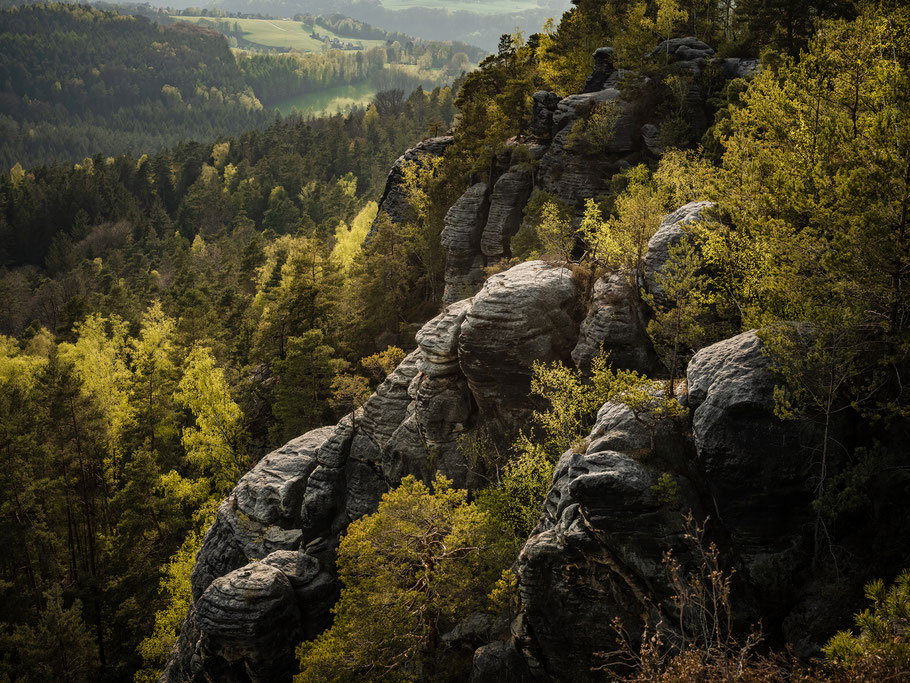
[616, 322]
[604, 58]
[545, 103]
[461, 236]
[669, 234]
[510, 195]
[262, 514]
[529, 312]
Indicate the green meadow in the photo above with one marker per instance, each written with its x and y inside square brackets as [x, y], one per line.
[279, 33]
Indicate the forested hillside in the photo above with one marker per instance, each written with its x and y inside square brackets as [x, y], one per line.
[476, 23]
[192, 309]
[77, 81]
[608, 383]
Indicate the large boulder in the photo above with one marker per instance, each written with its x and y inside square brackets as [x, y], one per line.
[461, 236]
[617, 323]
[262, 514]
[670, 233]
[243, 629]
[757, 466]
[510, 194]
[527, 313]
[596, 554]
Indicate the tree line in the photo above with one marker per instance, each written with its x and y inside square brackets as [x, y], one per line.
[166, 321]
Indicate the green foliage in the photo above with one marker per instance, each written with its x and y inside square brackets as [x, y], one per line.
[82, 81]
[667, 491]
[59, 647]
[425, 560]
[177, 592]
[881, 648]
[349, 239]
[554, 232]
[305, 384]
[677, 328]
[215, 445]
[594, 133]
[526, 244]
[648, 400]
[522, 487]
[523, 476]
[381, 365]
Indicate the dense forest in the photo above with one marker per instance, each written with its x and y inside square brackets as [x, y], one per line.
[153, 283]
[77, 81]
[168, 319]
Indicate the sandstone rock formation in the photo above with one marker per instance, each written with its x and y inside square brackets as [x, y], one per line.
[669, 234]
[265, 576]
[472, 369]
[393, 202]
[596, 553]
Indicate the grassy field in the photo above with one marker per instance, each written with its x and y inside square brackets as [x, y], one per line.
[485, 7]
[281, 33]
[330, 101]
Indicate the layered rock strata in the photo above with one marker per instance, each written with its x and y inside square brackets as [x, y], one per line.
[274, 538]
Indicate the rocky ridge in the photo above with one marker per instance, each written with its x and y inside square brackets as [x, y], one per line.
[264, 579]
[480, 225]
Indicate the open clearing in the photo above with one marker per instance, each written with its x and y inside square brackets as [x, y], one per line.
[280, 33]
[486, 7]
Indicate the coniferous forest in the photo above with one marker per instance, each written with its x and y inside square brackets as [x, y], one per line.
[589, 365]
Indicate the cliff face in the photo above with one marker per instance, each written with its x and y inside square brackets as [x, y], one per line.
[264, 579]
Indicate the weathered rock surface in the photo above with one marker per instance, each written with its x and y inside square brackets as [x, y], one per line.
[603, 69]
[472, 368]
[757, 465]
[461, 235]
[244, 628]
[616, 321]
[262, 514]
[669, 234]
[596, 551]
[687, 49]
[529, 312]
[465, 220]
[393, 202]
[510, 195]
[739, 68]
[545, 103]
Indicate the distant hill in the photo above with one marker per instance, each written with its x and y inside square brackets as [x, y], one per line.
[76, 81]
[476, 23]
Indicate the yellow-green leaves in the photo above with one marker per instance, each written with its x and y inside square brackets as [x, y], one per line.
[215, 444]
[881, 649]
[554, 232]
[426, 559]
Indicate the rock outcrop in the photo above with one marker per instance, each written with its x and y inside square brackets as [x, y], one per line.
[618, 317]
[471, 370]
[596, 553]
[669, 234]
[461, 235]
[567, 166]
[265, 576]
[393, 202]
